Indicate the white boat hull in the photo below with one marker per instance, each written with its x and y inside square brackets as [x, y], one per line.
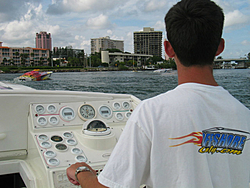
[23, 126]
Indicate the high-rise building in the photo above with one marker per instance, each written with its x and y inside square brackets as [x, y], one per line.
[103, 43]
[148, 42]
[43, 40]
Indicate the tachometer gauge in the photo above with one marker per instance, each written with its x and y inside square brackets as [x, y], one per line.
[116, 105]
[51, 108]
[105, 111]
[42, 121]
[40, 109]
[128, 114]
[67, 113]
[119, 116]
[86, 112]
[126, 105]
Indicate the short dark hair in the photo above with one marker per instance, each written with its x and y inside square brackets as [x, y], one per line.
[194, 29]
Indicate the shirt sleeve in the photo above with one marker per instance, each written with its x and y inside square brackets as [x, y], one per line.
[129, 163]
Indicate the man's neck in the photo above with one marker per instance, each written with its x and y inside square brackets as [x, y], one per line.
[196, 74]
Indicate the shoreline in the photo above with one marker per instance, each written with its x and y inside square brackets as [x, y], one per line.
[13, 71]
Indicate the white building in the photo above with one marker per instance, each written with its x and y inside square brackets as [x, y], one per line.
[124, 57]
[104, 43]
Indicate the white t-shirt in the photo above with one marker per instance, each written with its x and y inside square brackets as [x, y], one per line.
[192, 136]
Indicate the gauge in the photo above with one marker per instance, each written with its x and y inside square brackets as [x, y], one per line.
[128, 114]
[126, 105]
[40, 109]
[76, 151]
[71, 142]
[53, 162]
[81, 158]
[56, 138]
[51, 108]
[67, 135]
[50, 154]
[105, 111]
[87, 111]
[116, 105]
[42, 121]
[67, 113]
[61, 147]
[119, 116]
[53, 120]
[46, 144]
[43, 137]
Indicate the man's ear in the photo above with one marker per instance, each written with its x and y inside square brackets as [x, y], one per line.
[220, 47]
[168, 49]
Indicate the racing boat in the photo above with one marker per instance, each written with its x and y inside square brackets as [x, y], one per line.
[42, 132]
[34, 75]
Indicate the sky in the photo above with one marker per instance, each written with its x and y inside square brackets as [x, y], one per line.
[75, 22]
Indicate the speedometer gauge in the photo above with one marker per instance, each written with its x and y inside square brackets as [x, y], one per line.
[86, 112]
[105, 111]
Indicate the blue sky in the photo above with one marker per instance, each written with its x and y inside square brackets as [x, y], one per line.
[75, 22]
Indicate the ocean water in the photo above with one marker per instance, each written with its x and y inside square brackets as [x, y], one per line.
[143, 84]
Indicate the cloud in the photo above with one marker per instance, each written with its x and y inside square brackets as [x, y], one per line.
[245, 43]
[13, 9]
[64, 6]
[20, 32]
[99, 22]
[235, 18]
[154, 5]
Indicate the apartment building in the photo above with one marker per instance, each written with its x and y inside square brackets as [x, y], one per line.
[43, 40]
[24, 56]
[103, 43]
[148, 42]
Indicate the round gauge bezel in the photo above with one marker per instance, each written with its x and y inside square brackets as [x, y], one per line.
[76, 158]
[56, 123]
[46, 136]
[118, 104]
[81, 116]
[52, 111]
[125, 107]
[53, 164]
[76, 153]
[49, 144]
[40, 106]
[50, 156]
[116, 116]
[111, 112]
[72, 117]
[71, 144]
[44, 124]
[126, 114]
[71, 135]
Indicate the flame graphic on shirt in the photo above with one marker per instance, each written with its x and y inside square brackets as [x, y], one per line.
[195, 138]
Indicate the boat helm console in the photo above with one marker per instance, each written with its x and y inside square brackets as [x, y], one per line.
[43, 132]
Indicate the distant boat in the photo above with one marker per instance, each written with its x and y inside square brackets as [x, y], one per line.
[34, 75]
[163, 70]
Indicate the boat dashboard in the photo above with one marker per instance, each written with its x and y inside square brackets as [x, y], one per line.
[43, 132]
